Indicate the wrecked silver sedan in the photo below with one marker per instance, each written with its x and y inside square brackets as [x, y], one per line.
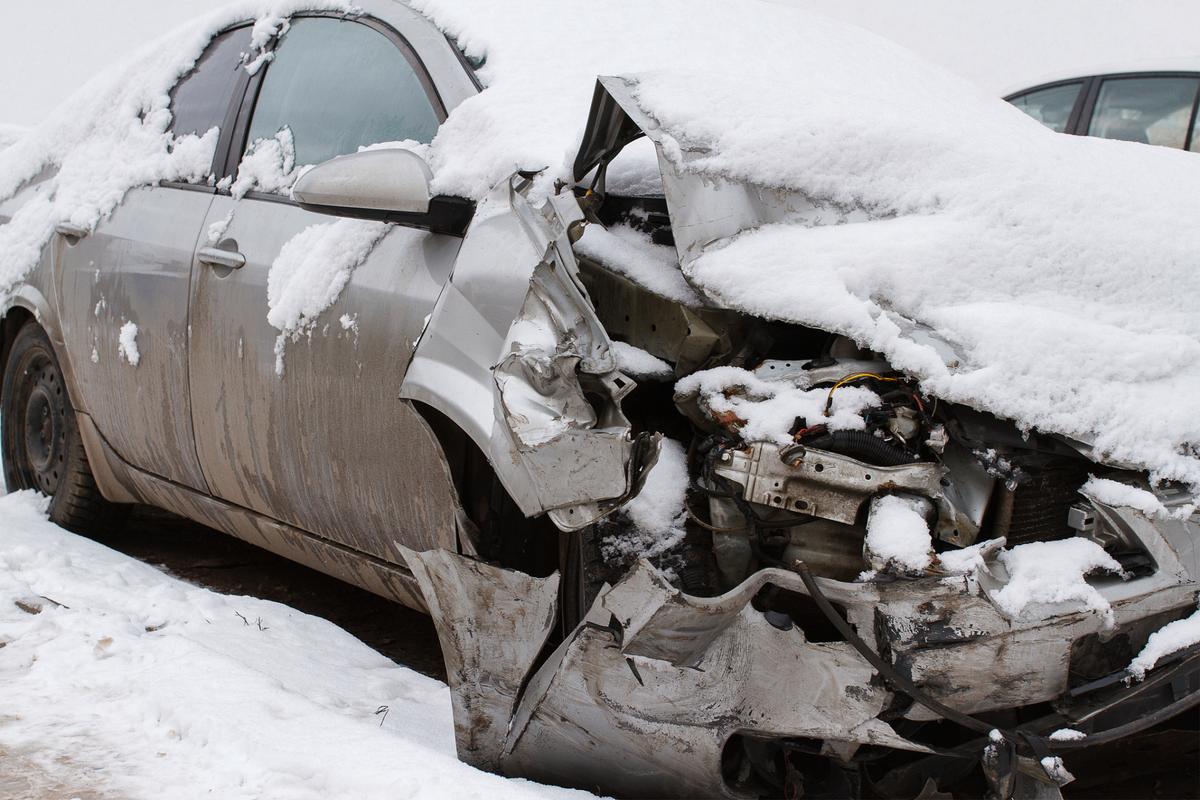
[676, 540]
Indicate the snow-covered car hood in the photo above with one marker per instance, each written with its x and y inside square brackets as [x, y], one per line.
[877, 197]
[1021, 281]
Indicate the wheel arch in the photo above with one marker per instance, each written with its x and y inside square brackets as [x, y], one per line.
[18, 306]
[26, 304]
[499, 531]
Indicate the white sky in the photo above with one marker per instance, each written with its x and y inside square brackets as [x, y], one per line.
[50, 47]
[1009, 45]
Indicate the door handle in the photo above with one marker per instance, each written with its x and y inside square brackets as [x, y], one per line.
[216, 257]
[70, 231]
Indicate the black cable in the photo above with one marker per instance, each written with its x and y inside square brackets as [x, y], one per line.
[886, 670]
[1034, 742]
[863, 446]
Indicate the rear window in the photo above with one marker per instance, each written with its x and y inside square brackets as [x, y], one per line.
[200, 100]
[1051, 107]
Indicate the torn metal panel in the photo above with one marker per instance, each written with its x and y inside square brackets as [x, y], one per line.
[515, 355]
[658, 681]
[559, 395]
[491, 624]
[954, 642]
[1173, 544]
[823, 484]
[703, 208]
[652, 679]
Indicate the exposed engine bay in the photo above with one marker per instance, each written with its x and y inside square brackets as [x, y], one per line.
[846, 587]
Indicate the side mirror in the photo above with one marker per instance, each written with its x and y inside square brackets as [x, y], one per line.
[390, 185]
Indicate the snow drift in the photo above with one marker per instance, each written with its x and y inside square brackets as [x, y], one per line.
[160, 689]
[10, 133]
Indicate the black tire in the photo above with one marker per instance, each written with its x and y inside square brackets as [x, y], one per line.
[42, 448]
[584, 573]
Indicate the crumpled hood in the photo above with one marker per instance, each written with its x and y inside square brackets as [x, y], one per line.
[1045, 279]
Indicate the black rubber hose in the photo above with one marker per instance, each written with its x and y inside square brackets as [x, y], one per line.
[899, 682]
[863, 446]
[887, 671]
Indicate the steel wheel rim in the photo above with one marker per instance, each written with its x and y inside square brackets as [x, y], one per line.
[41, 429]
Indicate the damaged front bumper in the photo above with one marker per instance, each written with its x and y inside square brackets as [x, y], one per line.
[659, 693]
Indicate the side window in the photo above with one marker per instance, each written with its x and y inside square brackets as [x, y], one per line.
[1149, 110]
[338, 85]
[1051, 107]
[200, 99]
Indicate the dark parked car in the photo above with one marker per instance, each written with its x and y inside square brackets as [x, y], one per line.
[1147, 107]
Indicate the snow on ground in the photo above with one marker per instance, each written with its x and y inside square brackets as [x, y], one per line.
[10, 134]
[160, 689]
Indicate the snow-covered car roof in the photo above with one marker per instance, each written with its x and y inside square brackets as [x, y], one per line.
[1060, 271]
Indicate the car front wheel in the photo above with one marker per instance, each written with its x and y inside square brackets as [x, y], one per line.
[41, 444]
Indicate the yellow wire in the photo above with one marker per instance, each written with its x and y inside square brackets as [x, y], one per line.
[855, 377]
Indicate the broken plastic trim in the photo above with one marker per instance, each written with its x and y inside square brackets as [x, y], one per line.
[1037, 744]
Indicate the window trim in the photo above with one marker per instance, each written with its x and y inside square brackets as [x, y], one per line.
[227, 122]
[242, 110]
[1072, 118]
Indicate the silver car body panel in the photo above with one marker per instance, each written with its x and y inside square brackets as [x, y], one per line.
[658, 681]
[705, 209]
[326, 446]
[511, 337]
[136, 267]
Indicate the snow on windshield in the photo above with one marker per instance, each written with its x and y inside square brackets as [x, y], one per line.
[1061, 270]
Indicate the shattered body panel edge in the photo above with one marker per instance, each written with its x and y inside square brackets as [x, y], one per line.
[658, 680]
[509, 344]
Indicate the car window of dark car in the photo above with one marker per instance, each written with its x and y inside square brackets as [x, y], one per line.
[1052, 106]
[200, 100]
[339, 85]
[1148, 110]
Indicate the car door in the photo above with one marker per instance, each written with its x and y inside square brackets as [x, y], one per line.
[303, 324]
[125, 289]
